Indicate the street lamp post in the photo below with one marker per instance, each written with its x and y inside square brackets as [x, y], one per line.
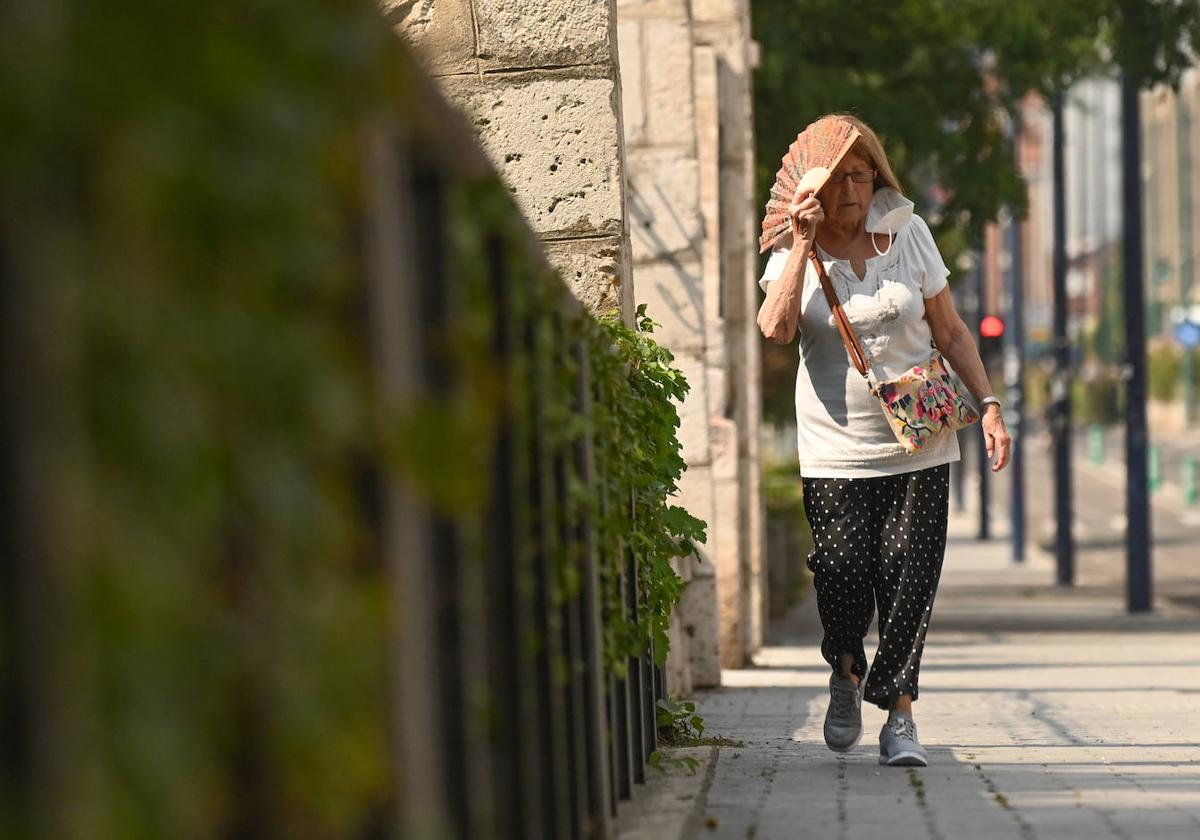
[1014, 379]
[1137, 556]
[1183, 138]
[1060, 414]
[984, 467]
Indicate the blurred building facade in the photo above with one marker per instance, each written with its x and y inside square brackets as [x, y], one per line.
[1170, 158]
[1092, 157]
[624, 130]
[1169, 177]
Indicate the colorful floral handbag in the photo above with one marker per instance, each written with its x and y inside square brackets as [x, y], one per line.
[921, 402]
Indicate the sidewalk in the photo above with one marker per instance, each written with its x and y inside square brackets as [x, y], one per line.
[1047, 714]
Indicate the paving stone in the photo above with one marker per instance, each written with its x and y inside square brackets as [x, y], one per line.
[1047, 713]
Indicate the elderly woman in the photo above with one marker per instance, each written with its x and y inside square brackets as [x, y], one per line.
[878, 513]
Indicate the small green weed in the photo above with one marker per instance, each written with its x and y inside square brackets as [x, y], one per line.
[677, 722]
[918, 786]
[661, 762]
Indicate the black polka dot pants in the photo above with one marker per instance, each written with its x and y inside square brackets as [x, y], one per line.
[878, 542]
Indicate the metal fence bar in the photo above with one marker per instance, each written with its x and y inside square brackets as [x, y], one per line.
[601, 801]
[649, 689]
[531, 741]
[622, 746]
[430, 251]
[569, 617]
[500, 570]
[573, 691]
[553, 764]
[637, 723]
[417, 803]
[15, 645]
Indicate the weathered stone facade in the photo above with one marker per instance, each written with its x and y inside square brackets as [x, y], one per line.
[638, 178]
[538, 79]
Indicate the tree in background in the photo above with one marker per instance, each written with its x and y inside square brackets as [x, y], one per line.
[941, 82]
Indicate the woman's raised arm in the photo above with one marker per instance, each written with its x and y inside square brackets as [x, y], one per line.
[780, 312]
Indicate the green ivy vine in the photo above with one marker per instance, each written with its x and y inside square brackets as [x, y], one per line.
[633, 422]
[638, 452]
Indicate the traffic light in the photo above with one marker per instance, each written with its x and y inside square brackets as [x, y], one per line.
[991, 341]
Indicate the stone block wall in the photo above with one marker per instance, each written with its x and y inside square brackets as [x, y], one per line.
[692, 217]
[722, 31]
[667, 234]
[538, 79]
[624, 131]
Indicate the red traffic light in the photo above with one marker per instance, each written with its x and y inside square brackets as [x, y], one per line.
[991, 327]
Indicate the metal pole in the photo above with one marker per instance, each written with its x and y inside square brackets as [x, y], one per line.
[1014, 377]
[1183, 142]
[958, 468]
[984, 467]
[1060, 413]
[1137, 558]
[958, 475]
[1189, 480]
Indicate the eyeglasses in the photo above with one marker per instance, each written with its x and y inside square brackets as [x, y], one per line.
[858, 176]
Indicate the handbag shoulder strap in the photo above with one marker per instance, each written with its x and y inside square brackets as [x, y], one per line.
[849, 338]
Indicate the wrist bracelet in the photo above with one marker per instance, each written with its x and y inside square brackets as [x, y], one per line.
[986, 401]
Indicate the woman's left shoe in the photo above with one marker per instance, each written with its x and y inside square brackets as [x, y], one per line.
[898, 744]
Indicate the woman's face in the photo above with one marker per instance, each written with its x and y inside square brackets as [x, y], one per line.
[846, 203]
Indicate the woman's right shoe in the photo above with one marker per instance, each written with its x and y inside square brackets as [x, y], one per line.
[843, 719]
[898, 744]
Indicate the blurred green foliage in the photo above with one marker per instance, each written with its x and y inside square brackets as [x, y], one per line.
[1098, 399]
[1104, 342]
[187, 176]
[1037, 388]
[940, 81]
[639, 465]
[789, 536]
[188, 181]
[1162, 367]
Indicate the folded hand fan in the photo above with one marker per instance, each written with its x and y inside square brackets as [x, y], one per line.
[809, 161]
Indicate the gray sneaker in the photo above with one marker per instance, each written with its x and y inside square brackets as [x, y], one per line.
[898, 744]
[843, 719]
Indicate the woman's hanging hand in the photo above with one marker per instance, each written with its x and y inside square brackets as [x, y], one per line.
[995, 438]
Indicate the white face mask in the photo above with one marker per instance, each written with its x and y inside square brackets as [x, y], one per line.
[888, 214]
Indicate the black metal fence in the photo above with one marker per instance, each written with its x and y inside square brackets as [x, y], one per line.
[509, 725]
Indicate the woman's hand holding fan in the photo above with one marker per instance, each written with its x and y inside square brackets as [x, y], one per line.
[805, 213]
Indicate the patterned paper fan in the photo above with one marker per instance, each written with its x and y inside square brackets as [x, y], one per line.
[811, 159]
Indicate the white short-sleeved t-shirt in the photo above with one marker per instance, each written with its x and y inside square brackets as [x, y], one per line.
[841, 429]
